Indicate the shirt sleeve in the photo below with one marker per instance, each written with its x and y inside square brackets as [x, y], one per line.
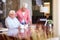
[29, 17]
[19, 22]
[17, 13]
[7, 23]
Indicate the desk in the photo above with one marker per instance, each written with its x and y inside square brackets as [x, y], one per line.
[3, 30]
[55, 38]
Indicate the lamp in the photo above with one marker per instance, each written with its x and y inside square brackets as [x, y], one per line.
[45, 10]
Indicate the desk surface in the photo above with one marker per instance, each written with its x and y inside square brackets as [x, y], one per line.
[3, 29]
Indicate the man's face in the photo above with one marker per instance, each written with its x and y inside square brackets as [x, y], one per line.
[12, 15]
[23, 8]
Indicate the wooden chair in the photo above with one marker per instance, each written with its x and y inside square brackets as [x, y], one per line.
[2, 37]
[10, 38]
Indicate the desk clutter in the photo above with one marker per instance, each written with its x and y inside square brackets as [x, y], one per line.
[35, 34]
[38, 32]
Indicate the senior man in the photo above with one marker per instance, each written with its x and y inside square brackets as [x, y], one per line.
[12, 24]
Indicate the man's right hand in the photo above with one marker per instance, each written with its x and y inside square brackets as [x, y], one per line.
[19, 28]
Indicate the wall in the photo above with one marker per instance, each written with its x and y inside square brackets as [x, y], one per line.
[58, 11]
[56, 17]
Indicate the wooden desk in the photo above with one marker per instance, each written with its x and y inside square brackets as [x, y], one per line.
[3, 30]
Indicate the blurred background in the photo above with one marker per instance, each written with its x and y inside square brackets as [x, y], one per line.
[40, 9]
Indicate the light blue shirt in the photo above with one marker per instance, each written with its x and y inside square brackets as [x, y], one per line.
[12, 25]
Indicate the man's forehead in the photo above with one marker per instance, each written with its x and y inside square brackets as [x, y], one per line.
[12, 12]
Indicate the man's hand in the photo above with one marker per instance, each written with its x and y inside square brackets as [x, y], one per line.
[19, 28]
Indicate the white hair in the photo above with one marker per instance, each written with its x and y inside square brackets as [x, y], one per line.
[12, 12]
[25, 5]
